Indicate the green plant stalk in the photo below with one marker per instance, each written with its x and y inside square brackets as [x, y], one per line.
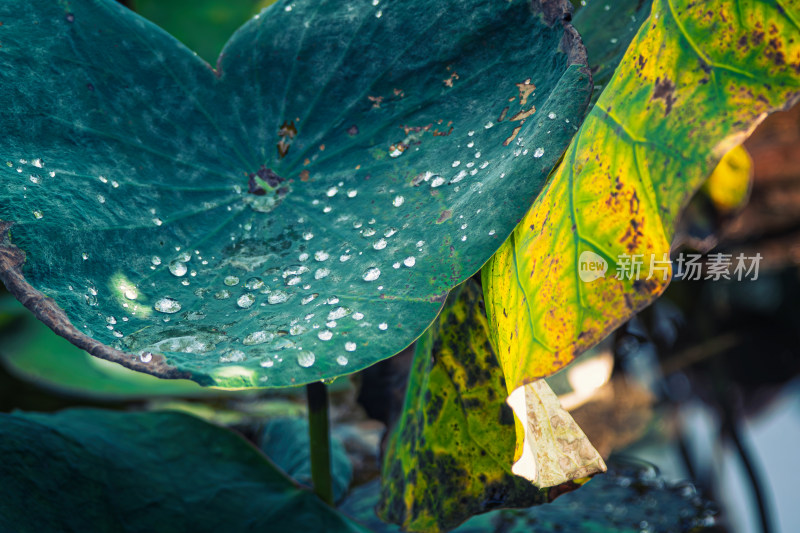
[320, 440]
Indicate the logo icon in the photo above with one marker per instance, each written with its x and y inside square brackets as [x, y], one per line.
[591, 266]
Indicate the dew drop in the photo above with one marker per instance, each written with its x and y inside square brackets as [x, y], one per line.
[488, 125]
[438, 181]
[325, 335]
[307, 236]
[380, 244]
[85, 256]
[308, 299]
[383, 326]
[333, 300]
[258, 337]
[177, 268]
[350, 346]
[458, 177]
[222, 295]
[157, 221]
[339, 312]
[396, 265]
[91, 299]
[409, 261]
[266, 363]
[305, 359]
[539, 152]
[352, 193]
[230, 281]
[371, 274]
[297, 329]
[234, 356]
[332, 192]
[358, 316]
[321, 273]
[551, 115]
[155, 260]
[342, 360]
[389, 232]
[398, 201]
[254, 284]
[277, 297]
[246, 300]
[321, 255]
[456, 163]
[38, 215]
[491, 232]
[303, 257]
[344, 257]
[167, 305]
[145, 357]
[130, 294]
[111, 320]
[293, 281]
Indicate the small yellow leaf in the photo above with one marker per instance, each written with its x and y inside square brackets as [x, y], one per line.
[728, 187]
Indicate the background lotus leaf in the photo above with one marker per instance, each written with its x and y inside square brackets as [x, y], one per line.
[94, 470]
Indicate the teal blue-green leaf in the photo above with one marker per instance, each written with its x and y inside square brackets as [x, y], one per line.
[286, 442]
[389, 150]
[202, 25]
[94, 470]
[607, 28]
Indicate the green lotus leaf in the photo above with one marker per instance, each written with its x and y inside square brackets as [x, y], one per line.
[450, 455]
[298, 212]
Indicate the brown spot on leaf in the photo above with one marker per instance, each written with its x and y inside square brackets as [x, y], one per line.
[513, 135]
[665, 90]
[526, 88]
[376, 101]
[503, 114]
[522, 115]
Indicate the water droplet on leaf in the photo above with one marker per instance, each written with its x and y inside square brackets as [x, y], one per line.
[371, 274]
[167, 305]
